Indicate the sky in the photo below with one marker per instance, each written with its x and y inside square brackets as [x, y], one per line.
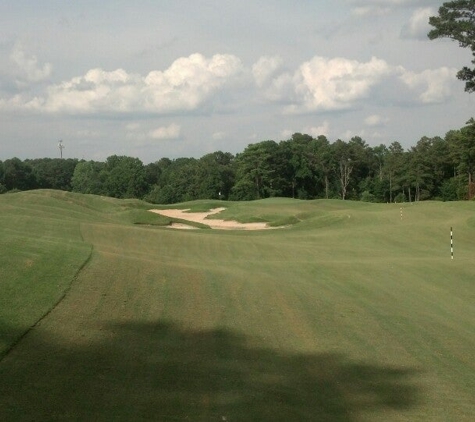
[184, 78]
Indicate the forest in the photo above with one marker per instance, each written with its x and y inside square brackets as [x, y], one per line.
[302, 167]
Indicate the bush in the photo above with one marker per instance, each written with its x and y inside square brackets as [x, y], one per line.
[162, 195]
[367, 196]
[453, 189]
[400, 197]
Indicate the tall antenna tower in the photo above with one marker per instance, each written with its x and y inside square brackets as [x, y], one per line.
[61, 147]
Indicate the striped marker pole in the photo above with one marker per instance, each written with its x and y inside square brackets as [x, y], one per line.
[451, 244]
[401, 212]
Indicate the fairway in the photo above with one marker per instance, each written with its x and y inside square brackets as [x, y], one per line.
[348, 313]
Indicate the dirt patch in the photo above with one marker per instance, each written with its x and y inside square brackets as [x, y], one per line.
[201, 217]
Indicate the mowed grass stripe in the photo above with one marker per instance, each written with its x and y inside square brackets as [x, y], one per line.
[39, 257]
[255, 261]
[97, 330]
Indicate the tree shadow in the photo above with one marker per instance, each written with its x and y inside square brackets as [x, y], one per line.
[161, 371]
[9, 336]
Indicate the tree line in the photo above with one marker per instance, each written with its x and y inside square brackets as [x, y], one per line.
[303, 167]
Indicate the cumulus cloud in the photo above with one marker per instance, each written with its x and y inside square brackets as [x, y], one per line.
[418, 25]
[320, 84]
[190, 81]
[26, 67]
[172, 131]
[370, 10]
[367, 135]
[375, 120]
[87, 133]
[186, 85]
[265, 68]
[137, 132]
[432, 85]
[132, 126]
[286, 134]
[217, 136]
[373, 7]
[380, 7]
[315, 131]
[323, 84]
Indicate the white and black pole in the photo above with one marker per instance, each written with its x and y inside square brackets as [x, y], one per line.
[451, 244]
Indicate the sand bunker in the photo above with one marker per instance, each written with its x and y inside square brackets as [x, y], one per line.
[201, 217]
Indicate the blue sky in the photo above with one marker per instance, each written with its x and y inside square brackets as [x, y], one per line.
[182, 78]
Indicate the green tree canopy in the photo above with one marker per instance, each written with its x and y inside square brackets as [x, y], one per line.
[18, 175]
[125, 177]
[255, 168]
[462, 150]
[456, 20]
[87, 178]
[53, 173]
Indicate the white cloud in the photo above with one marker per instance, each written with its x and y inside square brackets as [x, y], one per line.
[143, 135]
[373, 7]
[320, 84]
[431, 86]
[286, 133]
[375, 120]
[172, 131]
[280, 89]
[349, 133]
[315, 131]
[187, 84]
[87, 133]
[370, 10]
[366, 135]
[217, 136]
[132, 126]
[265, 68]
[381, 3]
[381, 7]
[418, 25]
[323, 84]
[190, 81]
[26, 67]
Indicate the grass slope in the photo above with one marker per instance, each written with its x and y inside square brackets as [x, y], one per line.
[348, 314]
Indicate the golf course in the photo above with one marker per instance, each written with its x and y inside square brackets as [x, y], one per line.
[334, 311]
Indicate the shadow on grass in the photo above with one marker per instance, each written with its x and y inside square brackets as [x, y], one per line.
[9, 336]
[160, 371]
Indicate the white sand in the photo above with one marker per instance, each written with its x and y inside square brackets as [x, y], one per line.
[201, 217]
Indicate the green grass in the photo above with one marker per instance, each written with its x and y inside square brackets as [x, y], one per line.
[347, 314]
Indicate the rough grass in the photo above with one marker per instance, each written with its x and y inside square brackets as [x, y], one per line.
[40, 253]
[349, 314]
